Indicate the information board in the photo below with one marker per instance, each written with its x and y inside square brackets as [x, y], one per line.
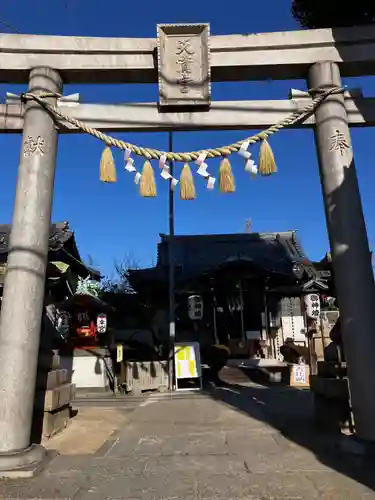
[187, 363]
[300, 375]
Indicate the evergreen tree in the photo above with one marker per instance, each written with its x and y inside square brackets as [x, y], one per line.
[333, 13]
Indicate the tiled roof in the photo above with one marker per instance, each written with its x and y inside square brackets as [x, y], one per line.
[61, 238]
[273, 252]
[60, 233]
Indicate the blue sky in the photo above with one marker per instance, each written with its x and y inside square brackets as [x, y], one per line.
[112, 221]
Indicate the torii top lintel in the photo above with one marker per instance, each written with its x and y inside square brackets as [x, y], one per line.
[280, 55]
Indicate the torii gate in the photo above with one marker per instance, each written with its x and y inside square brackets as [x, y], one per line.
[45, 62]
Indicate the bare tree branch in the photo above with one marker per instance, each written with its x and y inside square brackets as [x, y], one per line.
[120, 284]
[10, 26]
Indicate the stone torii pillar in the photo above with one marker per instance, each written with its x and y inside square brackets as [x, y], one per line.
[349, 246]
[22, 305]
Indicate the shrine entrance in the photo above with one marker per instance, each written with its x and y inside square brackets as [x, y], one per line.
[183, 59]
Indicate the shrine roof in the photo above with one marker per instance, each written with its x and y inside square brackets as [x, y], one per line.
[273, 253]
[61, 245]
[60, 233]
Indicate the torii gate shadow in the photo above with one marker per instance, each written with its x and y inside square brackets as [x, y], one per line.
[290, 411]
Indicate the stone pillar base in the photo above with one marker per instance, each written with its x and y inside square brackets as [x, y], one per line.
[23, 464]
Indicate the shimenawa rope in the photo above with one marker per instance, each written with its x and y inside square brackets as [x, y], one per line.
[150, 153]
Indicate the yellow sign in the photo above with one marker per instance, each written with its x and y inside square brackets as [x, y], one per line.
[187, 361]
[120, 353]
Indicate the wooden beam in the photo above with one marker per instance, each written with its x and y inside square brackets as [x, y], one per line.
[280, 55]
[225, 115]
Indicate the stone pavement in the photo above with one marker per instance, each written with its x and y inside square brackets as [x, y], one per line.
[243, 441]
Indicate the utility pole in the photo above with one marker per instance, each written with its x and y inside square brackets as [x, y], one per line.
[171, 273]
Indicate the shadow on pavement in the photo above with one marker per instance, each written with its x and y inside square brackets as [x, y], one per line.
[291, 412]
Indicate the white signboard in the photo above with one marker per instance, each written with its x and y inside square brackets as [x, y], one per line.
[253, 334]
[187, 362]
[292, 321]
[101, 323]
[312, 303]
[300, 374]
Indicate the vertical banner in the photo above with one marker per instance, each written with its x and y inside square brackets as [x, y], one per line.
[119, 353]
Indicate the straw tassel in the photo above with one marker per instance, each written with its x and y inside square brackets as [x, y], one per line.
[267, 164]
[187, 187]
[107, 166]
[147, 185]
[226, 178]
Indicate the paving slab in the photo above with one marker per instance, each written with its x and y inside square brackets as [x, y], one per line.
[42, 487]
[93, 427]
[198, 443]
[245, 442]
[334, 486]
[69, 466]
[192, 465]
[146, 486]
[291, 486]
